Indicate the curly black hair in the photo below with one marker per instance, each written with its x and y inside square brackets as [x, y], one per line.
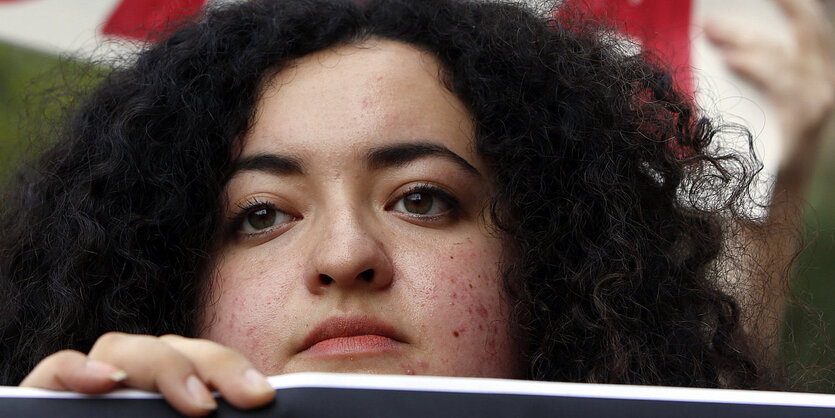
[610, 200]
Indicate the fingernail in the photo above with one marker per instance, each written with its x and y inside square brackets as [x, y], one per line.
[199, 393]
[257, 382]
[101, 368]
[118, 376]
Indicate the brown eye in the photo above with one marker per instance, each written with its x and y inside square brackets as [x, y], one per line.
[418, 203]
[263, 218]
[423, 203]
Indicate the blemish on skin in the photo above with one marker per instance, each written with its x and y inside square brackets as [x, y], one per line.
[231, 324]
[482, 311]
[410, 372]
[455, 334]
[454, 295]
[490, 347]
[451, 257]
[250, 331]
[471, 285]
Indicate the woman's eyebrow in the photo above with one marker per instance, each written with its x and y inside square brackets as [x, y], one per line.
[281, 165]
[398, 155]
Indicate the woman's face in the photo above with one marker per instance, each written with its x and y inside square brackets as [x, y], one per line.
[356, 240]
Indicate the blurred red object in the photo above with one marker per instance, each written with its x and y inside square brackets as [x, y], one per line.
[149, 19]
[661, 26]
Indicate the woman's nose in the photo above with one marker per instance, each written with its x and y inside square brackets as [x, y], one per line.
[348, 255]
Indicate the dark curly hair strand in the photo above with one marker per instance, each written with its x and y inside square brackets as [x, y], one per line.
[600, 171]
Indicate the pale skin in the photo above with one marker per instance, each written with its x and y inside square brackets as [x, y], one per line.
[357, 242]
[351, 242]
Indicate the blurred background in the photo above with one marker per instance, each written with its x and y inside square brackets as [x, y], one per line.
[50, 48]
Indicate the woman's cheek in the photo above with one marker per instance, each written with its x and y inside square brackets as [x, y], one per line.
[468, 315]
[245, 306]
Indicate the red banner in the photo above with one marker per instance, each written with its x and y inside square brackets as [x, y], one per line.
[661, 26]
[149, 19]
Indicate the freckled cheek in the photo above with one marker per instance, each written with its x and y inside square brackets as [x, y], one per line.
[471, 316]
[470, 283]
[245, 307]
[472, 302]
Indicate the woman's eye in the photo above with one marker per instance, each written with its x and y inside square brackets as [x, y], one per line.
[421, 203]
[263, 218]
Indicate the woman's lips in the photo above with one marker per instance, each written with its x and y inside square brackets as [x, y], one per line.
[351, 335]
[368, 343]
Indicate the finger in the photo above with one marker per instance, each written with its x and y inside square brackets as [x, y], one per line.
[797, 10]
[809, 23]
[74, 371]
[152, 364]
[226, 370]
[763, 63]
[760, 66]
[725, 34]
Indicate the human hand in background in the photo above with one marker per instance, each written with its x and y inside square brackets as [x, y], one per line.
[183, 370]
[799, 79]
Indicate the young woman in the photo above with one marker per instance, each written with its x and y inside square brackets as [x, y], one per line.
[419, 187]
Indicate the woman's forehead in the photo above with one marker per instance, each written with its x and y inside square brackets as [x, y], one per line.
[375, 54]
[360, 95]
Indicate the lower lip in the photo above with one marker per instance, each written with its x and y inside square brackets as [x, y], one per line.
[353, 345]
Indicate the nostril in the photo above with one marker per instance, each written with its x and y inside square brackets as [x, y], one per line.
[367, 275]
[325, 279]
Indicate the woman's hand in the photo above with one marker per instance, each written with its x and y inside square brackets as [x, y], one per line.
[183, 370]
[799, 78]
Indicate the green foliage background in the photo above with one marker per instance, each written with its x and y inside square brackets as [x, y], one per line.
[21, 72]
[25, 75]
